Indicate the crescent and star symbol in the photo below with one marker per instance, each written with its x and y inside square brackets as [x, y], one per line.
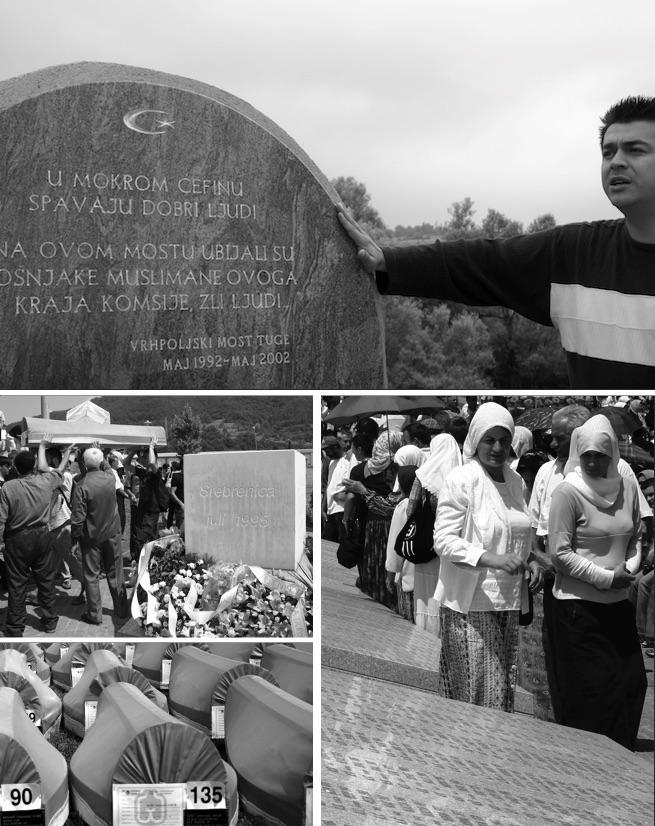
[130, 121]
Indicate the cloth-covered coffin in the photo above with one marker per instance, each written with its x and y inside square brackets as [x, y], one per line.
[268, 739]
[27, 757]
[148, 657]
[195, 676]
[35, 658]
[76, 657]
[35, 694]
[292, 668]
[103, 668]
[234, 650]
[53, 652]
[133, 741]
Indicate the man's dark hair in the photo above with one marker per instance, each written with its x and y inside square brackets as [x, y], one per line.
[418, 432]
[368, 426]
[458, 427]
[24, 462]
[626, 111]
[362, 441]
[53, 454]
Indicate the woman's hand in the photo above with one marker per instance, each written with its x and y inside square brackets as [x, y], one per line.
[510, 563]
[354, 487]
[622, 577]
[535, 576]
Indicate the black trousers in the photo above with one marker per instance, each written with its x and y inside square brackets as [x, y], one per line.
[331, 527]
[108, 556]
[28, 552]
[600, 669]
[145, 530]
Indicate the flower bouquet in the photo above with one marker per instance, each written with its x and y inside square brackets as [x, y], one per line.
[183, 595]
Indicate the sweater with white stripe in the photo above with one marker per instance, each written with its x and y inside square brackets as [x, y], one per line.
[591, 281]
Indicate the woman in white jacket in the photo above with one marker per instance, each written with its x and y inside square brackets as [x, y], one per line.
[483, 537]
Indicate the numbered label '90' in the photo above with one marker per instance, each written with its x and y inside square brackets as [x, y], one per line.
[20, 796]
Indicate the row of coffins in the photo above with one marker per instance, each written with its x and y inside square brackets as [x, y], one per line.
[255, 700]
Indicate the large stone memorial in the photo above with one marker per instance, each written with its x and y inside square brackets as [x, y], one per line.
[156, 232]
[246, 506]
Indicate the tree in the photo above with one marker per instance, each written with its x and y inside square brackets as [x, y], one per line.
[186, 430]
[546, 221]
[497, 225]
[429, 349]
[461, 222]
[358, 202]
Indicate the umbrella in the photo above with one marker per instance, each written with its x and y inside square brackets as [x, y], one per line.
[623, 420]
[536, 419]
[635, 456]
[358, 407]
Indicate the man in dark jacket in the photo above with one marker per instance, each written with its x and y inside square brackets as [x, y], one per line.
[24, 512]
[96, 528]
[592, 281]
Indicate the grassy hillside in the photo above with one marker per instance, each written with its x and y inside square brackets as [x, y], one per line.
[228, 421]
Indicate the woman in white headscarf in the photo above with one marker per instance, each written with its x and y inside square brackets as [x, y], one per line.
[400, 572]
[522, 441]
[594, 542]
[444, 456]
[483, 537]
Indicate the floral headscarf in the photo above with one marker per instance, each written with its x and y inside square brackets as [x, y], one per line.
[384, 450]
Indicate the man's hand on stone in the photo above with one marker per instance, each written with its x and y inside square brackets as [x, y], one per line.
[369, 253]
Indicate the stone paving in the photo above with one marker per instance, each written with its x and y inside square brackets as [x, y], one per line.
[395, 753]
[70, 625]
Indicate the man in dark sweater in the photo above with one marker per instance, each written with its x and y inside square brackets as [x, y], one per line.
[24, 513]
[96, 527]
[594, 282]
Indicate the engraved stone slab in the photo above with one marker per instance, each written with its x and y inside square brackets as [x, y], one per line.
[246, 506]
[156, 232]
[395, 755]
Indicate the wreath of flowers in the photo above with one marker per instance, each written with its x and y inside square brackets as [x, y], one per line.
[182, 595]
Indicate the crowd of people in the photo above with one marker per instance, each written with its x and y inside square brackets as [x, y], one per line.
[63, 517]
[542, 521]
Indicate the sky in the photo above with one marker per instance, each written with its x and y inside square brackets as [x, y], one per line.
[16, 406]
[426, 102]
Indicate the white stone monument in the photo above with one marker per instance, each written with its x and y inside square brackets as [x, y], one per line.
[246, 506]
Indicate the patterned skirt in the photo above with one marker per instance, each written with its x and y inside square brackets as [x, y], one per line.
[426, 607]
[373, 574]
[533, 662]
[479, 652]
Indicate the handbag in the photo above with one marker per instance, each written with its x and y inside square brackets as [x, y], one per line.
[415, 541]
[527, 617]
[351, 545]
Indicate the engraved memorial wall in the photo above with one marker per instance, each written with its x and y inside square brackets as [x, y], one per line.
[156, 232]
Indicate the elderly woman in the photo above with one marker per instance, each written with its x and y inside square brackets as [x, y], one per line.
[373, 481]
[483, 536]
[594, 543]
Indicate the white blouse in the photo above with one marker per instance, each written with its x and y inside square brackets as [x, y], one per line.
[498, 590]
